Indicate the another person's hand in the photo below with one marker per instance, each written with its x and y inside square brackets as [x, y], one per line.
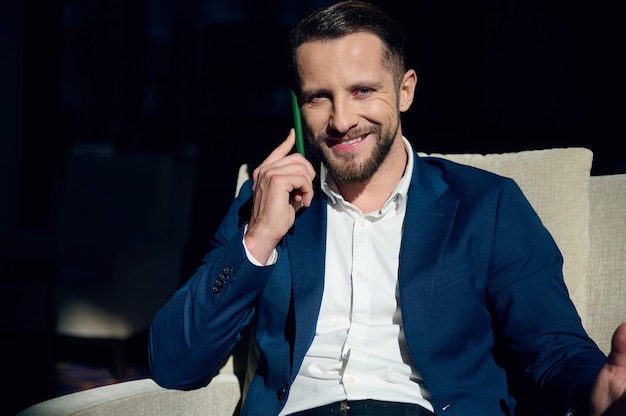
[608, 396]
[282, 185]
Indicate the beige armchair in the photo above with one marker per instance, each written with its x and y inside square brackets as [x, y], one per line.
[586, 215]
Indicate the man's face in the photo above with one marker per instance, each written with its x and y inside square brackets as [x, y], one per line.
[349, 104]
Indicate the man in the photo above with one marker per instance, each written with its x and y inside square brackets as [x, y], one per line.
[385, 284]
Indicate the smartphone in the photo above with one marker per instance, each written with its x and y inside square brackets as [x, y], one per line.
[297, 123]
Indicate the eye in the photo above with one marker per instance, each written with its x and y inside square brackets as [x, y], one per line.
[363, 92]
[316, 98]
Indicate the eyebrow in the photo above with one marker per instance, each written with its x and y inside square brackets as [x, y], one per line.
[375, 85]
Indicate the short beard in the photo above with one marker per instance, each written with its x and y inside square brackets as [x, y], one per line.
[348, 170]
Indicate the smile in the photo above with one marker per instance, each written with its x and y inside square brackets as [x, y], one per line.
[348, 141]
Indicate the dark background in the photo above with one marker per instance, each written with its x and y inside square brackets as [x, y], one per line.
[206, 82]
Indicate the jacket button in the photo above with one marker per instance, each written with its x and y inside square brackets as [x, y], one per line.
[221, 279]
[281, 392]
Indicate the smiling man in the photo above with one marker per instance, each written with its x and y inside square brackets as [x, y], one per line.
[379, 282]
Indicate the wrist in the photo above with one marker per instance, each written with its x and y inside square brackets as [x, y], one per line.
[265, 258]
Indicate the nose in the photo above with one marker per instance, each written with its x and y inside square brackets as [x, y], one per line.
[343, 115]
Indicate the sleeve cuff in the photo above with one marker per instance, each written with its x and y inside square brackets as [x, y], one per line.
[273, 257]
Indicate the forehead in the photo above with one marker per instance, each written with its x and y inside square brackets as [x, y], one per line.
[358, 53]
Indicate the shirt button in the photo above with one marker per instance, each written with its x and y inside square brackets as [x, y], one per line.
[351, 380]
[360, 275]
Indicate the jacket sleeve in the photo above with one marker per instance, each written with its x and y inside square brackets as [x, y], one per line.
[533, 316]
[193, 333]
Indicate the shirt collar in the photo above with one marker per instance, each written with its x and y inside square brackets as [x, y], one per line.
[396, 200]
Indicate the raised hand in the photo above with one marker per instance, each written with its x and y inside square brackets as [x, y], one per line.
[608, 397]
[282, 185]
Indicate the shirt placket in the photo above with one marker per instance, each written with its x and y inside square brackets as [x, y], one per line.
[361, 300]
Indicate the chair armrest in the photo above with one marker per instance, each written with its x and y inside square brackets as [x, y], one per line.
[144, 397]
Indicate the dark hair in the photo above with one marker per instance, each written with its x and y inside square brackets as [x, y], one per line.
[348, 17]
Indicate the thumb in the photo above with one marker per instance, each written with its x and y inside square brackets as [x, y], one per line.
[617, 356]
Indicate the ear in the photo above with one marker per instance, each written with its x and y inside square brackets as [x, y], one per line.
[407, 90]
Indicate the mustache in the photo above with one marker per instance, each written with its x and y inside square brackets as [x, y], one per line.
[352, 133]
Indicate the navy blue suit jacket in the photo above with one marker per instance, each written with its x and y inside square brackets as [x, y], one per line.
[484, 305]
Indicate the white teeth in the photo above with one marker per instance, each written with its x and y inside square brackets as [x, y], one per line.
[358, 139]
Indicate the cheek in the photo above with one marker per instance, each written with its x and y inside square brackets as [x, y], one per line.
[380, 111]
[314, 120]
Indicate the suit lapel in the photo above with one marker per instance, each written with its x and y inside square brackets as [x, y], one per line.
[429, 217]
[306, 245]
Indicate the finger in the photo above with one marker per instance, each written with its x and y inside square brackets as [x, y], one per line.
[283, 149]
[618, 347]
[304, 190]
[283, 162]
[277, 154]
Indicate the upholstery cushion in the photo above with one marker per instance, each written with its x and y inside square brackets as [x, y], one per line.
[556, 182]
[606, 281]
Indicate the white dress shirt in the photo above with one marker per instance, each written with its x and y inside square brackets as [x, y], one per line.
[359, 351]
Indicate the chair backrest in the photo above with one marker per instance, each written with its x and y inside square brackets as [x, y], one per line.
[242, 176]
